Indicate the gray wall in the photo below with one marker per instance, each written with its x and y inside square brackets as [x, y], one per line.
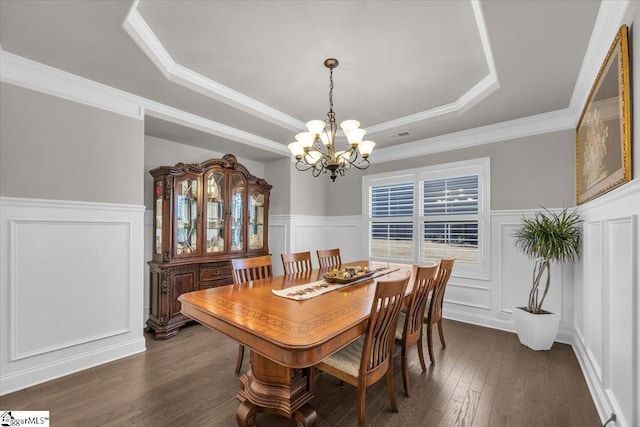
[161, 152]
[278, 174]
[296, 192]
[526, 173]
[51, 148]
[308, 194]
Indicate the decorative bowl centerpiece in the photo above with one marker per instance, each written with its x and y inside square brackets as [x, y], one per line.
[348, 274]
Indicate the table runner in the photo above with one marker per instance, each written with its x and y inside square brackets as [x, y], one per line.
[314, 289]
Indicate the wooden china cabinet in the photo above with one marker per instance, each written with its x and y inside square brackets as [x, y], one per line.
[205, 214]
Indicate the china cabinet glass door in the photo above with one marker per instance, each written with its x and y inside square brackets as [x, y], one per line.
[238, 189]
[215, 185]
[186, 214]
[256, 219]
[158, 195]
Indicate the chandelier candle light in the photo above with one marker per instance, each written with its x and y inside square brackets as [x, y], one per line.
[316, 149]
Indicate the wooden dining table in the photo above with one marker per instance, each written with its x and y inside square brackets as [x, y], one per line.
[285, 336]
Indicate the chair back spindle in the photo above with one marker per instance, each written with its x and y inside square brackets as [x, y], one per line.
[297, 262]
[248, 269]
[444, 272]
[379, 339]
[329, 258]
[423, 285]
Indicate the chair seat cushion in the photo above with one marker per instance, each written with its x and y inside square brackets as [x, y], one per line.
[426, 312]
[347, 359]
[400, 325]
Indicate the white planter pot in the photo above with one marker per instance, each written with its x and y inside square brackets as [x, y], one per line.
[536, 331]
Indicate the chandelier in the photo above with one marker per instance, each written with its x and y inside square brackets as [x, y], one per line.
[316, 149]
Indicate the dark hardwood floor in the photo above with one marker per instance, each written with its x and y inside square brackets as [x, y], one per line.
[483, 378]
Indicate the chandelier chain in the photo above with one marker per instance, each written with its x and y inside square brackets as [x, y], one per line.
[331, 90]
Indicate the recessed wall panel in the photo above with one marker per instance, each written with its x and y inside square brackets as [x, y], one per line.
[593, 294]
[622, 337]
[69, 284]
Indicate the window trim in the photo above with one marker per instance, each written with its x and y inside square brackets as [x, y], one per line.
[480, 167]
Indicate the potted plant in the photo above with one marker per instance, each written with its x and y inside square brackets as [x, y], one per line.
[546, 237]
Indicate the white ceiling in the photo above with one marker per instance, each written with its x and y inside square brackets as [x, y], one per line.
[428, 68]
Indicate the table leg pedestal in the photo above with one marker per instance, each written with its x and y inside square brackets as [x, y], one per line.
[270, 387]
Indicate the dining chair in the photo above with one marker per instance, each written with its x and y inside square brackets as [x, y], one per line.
[409, 327]
[367, 359]
[329, 258]
[246, 270]
[296, 263]
[434, 312]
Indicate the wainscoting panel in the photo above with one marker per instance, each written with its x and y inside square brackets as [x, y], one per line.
[593, 295]
[310, 233]
[621, 289]
[309, 237]
[607, 343]
[50, 245]
[71, 287]
[468, 295]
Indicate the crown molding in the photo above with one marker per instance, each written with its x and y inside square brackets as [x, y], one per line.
[173, 115]
[610, 17]
[477, 93]
[23, 72]
[137, 28]
[146, 40]
[139, 31]
[518, 128]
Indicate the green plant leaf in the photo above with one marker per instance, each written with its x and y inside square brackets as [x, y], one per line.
[549, 236]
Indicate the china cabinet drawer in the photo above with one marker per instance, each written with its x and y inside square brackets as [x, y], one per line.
[206, 284]
[222, 272]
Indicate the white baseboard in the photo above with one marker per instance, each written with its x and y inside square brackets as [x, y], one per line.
[603, 406]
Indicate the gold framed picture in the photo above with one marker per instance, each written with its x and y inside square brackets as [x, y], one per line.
[603, 135]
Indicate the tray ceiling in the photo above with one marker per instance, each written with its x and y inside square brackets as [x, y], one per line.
[426, 68]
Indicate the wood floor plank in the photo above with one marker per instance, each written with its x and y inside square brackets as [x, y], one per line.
[482, 378]
[482, 414]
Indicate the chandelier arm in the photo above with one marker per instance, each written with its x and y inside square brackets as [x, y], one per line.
[303, 166]
[364, 162]
[352, 151]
